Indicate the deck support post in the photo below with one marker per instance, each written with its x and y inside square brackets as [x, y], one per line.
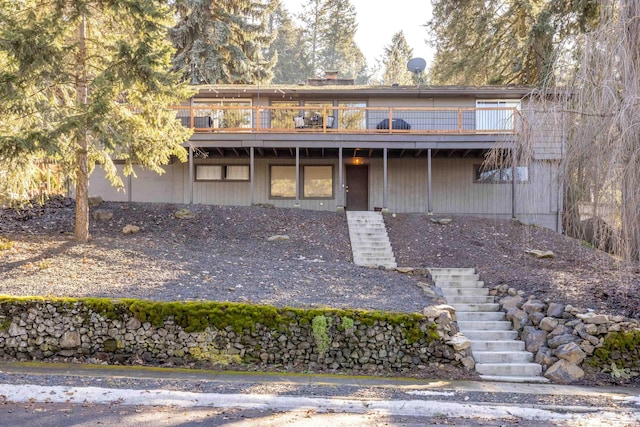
[513, 183]
[251, 175]
[385, 186]
[130, 188]
[191, 174]
[340, 182]
[297, 202]
[429, 199]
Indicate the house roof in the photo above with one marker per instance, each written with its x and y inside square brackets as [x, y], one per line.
[413, 91]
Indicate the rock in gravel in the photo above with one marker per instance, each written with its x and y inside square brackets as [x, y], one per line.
[278, 238]
[564, 372]
[183, 214]
[102, 215]
[441, 221]
[536, 253]
[95, 201]
[130, 229]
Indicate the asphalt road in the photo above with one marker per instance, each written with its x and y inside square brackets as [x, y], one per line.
[37, 394]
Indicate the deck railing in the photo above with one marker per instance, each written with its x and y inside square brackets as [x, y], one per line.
[329, 119]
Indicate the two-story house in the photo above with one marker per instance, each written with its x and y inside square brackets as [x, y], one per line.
[328, 145]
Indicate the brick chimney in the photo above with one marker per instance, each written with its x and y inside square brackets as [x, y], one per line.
[331, 75]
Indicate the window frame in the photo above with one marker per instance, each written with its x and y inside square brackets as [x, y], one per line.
[223, 172]
[301, 188]
[303, 180]
[477, 170]
[271, 195]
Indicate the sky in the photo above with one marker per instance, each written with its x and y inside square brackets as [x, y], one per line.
[379, 20]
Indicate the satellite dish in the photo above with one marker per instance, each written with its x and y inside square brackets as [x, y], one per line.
[416, 65]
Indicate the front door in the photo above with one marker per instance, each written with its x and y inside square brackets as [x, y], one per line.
[357, 187]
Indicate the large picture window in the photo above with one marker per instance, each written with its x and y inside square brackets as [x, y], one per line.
[500, 175]
[222, 173]
[283, 181]
[318, 181]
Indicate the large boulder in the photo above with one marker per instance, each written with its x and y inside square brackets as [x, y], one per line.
[545, 357]
[555, 310]
[102, 215]
[556, 342]
[534, 339]
[564, 372]
[571, 352]
[459, 342]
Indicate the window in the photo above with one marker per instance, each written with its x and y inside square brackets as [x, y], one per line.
[499, 175]
[495, 115]
[283, 181]
[222, 173]
[318, 181]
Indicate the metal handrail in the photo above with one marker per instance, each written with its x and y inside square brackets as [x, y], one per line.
[349, 119]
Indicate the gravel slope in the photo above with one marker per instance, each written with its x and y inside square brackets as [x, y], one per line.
[223, 254]
[220, 254]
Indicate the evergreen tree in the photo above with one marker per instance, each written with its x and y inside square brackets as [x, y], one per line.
[223, 41]
[313, 22]
[396, 57]
[286, 49]
[329, 39]
[503, 42]
[83, 82]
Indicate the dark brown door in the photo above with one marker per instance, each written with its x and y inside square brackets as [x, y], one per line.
[357, 187]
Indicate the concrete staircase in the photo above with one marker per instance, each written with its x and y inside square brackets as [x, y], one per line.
[369, 240]
[498, 353]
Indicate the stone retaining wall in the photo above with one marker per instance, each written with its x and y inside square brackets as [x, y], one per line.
[563, 337]
[128, 331]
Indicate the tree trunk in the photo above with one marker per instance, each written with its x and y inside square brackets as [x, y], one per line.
[81, 233]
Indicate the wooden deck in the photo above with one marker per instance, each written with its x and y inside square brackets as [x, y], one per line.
[350, 120]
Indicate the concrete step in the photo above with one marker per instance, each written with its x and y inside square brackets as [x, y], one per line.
[515, 379]
[502, 356]
[447, 292]
[497, 346]
[510, 369]
[388, 263]
[459, 284]
[453, 276]
[482, 316]
[370, 243]
[490, 325]
[476, 307]
[433, 271]
[470, 299]
[487, 335]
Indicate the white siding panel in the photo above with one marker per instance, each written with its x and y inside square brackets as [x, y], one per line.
[149, 186]
[99, 185]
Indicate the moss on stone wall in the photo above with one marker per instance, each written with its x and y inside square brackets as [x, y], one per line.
[617, 347]
[196, 316]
